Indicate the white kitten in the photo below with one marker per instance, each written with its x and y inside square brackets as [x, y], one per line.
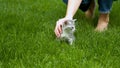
[68, 29]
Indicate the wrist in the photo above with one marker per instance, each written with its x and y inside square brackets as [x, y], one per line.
[69, 17]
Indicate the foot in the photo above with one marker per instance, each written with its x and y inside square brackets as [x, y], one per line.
[90, 12]
[101, 27]
[102, 22]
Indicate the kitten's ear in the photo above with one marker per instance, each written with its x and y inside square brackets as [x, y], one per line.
[65, 23]
[74, 20]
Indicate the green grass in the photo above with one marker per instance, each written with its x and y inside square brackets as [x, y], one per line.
[27, 38]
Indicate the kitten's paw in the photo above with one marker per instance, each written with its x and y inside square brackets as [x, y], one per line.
[70, 41]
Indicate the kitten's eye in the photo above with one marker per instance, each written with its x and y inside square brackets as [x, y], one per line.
[72, 27]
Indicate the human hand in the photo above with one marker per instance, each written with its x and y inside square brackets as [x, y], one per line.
[58, 27]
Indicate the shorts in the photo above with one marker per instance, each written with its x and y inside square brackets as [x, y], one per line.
[104, 5]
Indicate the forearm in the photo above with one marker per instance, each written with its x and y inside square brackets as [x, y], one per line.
[72, 7]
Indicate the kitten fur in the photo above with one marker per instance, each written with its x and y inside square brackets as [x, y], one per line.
[68, 29]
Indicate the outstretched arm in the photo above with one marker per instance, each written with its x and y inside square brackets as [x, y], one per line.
[72, 7]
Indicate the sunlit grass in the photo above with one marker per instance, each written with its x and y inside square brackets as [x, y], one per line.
[27, 37]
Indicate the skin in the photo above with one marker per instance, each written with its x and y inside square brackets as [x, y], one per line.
[102, 22]
[72, 7]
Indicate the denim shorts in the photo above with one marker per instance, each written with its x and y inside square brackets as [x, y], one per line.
[104, 5]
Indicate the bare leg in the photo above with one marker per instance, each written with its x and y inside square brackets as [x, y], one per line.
[90, 12]
[102, 22]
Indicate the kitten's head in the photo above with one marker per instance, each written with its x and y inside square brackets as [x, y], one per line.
[69, 25]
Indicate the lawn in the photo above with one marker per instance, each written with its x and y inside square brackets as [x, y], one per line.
[27, 38]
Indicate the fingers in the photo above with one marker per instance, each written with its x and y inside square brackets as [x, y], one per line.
[58, 29]
[57, 33]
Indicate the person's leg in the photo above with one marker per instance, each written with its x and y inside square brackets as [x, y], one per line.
[104, 9]
[90, 12]
[102, 22]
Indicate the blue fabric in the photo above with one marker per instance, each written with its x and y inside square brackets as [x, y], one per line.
[86, 1]
[84, 5]
[104, 5]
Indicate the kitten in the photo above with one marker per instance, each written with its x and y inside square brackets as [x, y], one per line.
[68, 29]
